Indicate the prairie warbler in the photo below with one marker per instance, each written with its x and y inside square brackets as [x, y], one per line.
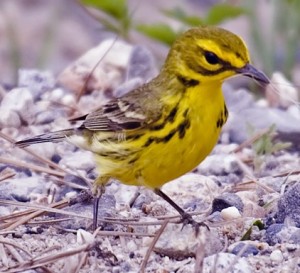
[166, 127]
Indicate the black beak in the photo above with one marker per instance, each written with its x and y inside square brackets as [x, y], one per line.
[250, 71]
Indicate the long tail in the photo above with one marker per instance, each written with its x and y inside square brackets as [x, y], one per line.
[48, 137]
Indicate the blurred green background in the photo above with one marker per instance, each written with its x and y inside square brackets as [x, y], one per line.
[49, 35]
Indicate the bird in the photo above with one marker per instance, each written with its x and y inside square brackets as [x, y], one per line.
[166, 127]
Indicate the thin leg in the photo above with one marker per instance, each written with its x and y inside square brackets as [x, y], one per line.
[160, 193]
[98, 190]
[186, 217]
[95, 211]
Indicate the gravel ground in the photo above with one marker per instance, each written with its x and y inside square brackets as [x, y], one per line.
[247, 191]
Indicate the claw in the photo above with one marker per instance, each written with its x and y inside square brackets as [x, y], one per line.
[188, 219]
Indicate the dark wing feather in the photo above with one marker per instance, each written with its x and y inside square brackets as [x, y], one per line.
[136, 110]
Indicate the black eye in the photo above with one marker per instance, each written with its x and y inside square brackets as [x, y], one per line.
[211, 57]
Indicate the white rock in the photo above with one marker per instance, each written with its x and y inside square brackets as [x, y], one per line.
[219, 164]
[276, 256]
[189, 186]
[294, 111]
[281, 92]
[79, 160]
[125, 194]
[179, 238]
[84, 237]
[106, 61]
[114, 52]
[222, 261]
[131, 246]
[26, 187]
[55, 95]
[69, 99]
[9, 118]
[37, 81]
[19, 100]
[44, 149]
[230, 213]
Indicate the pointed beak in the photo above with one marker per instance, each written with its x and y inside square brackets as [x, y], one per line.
[250, 71]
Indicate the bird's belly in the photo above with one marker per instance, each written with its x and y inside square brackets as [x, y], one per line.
[178, 156]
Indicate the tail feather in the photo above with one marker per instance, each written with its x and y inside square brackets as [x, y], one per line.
[48, 137]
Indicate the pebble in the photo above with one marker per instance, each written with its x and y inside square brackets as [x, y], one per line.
[141, 68]
[55, 95]
[21, 189]
[114, 56]
[222, 261]
[76, 223]
[107, 205]
[124, 194]
[71, 178]
[289, 206]
[285, 94]
[276, 256]
[243, 111]
[141, 200]
[9, 119]
[279, 234]
[4, 210]
[196, 187]
[141, 64]
[230, 213]
[131, 246]
[226, 200]
[46, 117]
[219, 164]
[179, 242]
[295, 237]
[248, 249]
[294, 111]
[237, 100]
[84, 237]
[37, 81]
[46, 150]
[17, 101]
[78, 160]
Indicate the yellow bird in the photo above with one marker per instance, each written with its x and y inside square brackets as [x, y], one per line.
[166, 127]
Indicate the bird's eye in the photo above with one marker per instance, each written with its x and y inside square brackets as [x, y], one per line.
[211, 57]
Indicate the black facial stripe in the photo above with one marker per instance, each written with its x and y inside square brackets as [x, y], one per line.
[187, 82]
[225, 65]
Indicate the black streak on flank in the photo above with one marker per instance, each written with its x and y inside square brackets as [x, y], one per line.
[133, 160]
[220, 122]
[225, 111]
[185, 113]
[187, 82]
[163, 139]
[181, 129]
[170, 118]
[222, 117]
[149, 141]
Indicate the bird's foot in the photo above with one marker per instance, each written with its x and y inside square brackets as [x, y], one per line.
[186, 219]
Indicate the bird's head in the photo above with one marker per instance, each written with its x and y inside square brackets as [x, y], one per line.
[206, 54]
